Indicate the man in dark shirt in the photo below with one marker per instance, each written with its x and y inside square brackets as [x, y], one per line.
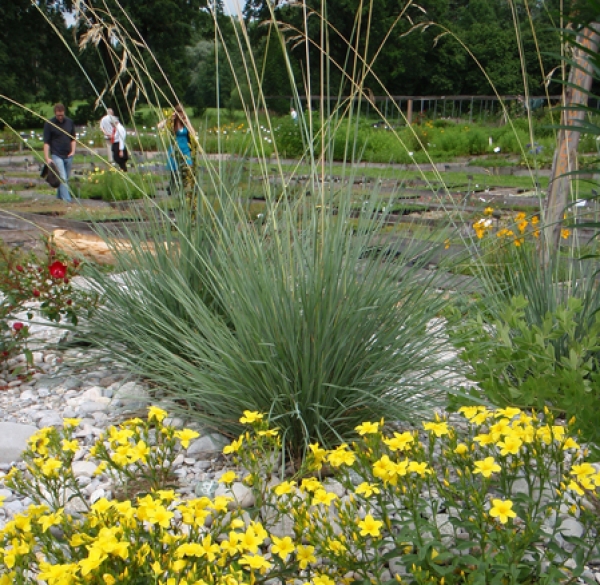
[59, 147]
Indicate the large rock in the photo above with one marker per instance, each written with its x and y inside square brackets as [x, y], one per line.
[207, 445]
[131, 395]
[13, 440]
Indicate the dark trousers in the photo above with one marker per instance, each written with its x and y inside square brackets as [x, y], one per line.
[120, 160]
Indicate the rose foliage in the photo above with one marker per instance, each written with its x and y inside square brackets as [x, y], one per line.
[29, 284]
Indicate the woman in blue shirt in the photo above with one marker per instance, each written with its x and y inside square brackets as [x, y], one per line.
[181, 156]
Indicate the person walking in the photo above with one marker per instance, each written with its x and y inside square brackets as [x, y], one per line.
[294, 115]
[59, 148]
[107, 129]
[119, 150]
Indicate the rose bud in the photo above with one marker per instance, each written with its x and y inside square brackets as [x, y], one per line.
[69, 301]
[18, 326]
[66, 281]
[75, 262]
[19, 268]
[36, 292]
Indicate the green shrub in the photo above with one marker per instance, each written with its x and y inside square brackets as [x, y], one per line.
[112, 185]
[553, 364]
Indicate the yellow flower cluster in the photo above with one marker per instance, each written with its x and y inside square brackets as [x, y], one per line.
[332, 537]
[515, 230]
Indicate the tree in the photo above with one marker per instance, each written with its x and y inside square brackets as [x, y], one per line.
[165, 27]
[34, 64]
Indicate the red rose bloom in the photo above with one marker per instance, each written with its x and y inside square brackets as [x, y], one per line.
[57, 269]
[36, 292]
[18, 326]
[19, 268]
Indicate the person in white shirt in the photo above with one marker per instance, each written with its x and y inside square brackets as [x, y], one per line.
[107, 129]
[119, 150]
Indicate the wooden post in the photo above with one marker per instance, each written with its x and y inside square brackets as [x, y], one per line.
[575, 95]
[409, 110]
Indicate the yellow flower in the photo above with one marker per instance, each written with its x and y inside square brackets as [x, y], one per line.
[228, 477]
[437, 428]
[341, 456]
[367, 428]
[318, 453]
[323, 580]
[250, 540]
[366, 489]
[160, 515]
[488, 211]
[185, 436]
[285, 487]
[582, 470]
[305, 556]
[400, 441]
[268, 433]
[370, 527]
[156, 413]
[508, 412]
[446, 244]
[421, 469]
[570, 443]
[209, 549]
[502, 509]
[234, 446]
[511, 444]
[251, 417]
[484, 439]
[50, 467]
[51, 520]
[384, 468]
[58, 574]
[230, 546]
[70, 445]
[564, 234]
[71, 422]
[574, 486]
[220, 503]
[139, 452]
[282, 547]
[323, 498]
[471, 411]
[486, 467]
[255, 562]
[310, 484]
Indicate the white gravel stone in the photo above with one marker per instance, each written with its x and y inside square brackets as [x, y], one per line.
[85, 468]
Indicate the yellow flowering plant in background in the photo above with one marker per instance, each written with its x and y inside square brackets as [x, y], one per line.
[401, 505]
